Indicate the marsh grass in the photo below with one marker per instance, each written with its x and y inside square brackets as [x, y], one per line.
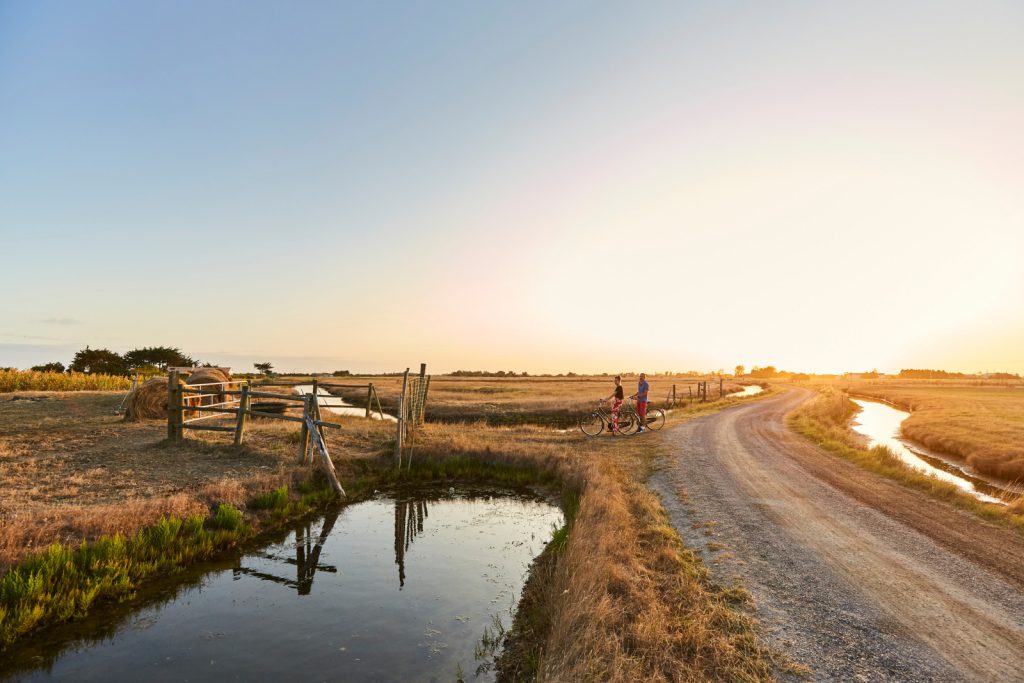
[62, 582]
[513, 401]
[984, 425]
[825, 420]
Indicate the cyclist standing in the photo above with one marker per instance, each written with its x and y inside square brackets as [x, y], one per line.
[643, 388]
[616, 398]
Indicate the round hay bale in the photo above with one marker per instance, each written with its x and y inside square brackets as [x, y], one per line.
[147, 401]
[207, 376]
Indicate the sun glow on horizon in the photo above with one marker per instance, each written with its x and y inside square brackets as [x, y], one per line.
[821, 189]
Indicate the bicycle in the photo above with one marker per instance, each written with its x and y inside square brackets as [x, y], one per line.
[596, 422]
[655, 416]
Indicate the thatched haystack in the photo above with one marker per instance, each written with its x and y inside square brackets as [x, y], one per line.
[147, 401]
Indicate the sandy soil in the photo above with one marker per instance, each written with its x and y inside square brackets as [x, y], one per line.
[853, 575]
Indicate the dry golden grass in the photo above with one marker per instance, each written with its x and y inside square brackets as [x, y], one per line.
[982, 424]
[552, 401]
[73, 470]
[826, 420]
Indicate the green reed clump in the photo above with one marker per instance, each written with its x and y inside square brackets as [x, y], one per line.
[32, 380]
[271, 500]
[466, 469]
[227, 517]
[63, 582]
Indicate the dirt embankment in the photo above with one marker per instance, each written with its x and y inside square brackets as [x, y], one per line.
[857, 576]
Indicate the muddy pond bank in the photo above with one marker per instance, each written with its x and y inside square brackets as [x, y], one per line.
[415, 584]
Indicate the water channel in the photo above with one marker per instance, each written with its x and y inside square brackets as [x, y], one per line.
[880, 423]
[401, 587]
[339, 406]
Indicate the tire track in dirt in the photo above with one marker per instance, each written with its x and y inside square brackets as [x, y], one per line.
[857, 577]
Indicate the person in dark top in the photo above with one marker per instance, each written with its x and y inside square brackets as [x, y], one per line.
[616, 398]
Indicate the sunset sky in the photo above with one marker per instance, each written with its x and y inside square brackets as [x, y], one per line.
[523, 186]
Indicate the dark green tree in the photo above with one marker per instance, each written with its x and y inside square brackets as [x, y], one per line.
[49, 367]
[158, 356]
[265, 368]
[98, 361]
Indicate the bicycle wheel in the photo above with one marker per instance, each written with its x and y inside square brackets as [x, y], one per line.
[592, 424]
[655, 419]
[627, 421]
[627, 425]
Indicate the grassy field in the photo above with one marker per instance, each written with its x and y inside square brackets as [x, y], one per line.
[982, 424]
[551, 401]
[826, 421]
[616, 596]
[31, 380]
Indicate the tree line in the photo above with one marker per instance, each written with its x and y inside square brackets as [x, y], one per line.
[106, 362]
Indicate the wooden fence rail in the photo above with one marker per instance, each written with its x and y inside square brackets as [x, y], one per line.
[187, 405]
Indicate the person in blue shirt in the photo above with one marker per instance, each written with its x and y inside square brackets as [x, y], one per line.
[643, 389]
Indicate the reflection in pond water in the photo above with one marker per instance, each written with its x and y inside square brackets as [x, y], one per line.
[307, 558]
[409, 516]
[880, 423]
[324, 602]
[748, 390]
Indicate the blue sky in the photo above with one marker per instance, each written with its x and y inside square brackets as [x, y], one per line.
[368, 185]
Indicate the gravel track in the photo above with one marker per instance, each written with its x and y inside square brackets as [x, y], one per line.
[853, 575]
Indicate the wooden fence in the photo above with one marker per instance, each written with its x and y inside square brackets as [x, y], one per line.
[189, 406]
[676, 398]
[412, 406]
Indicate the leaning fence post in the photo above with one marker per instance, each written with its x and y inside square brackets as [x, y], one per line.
[243, 414]
[304, 430]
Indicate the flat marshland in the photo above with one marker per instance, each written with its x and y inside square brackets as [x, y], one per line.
[551, 401]
[616, 595]
[827, 418]
[983, 424]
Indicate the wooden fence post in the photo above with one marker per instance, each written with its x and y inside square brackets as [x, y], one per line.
[401, 418]
[369, 398]
[243, 414]
[721, 387]
[426, 390]
[307, 413]
[175, 416]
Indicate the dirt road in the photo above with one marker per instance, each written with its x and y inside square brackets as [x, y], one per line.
[853, 575]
